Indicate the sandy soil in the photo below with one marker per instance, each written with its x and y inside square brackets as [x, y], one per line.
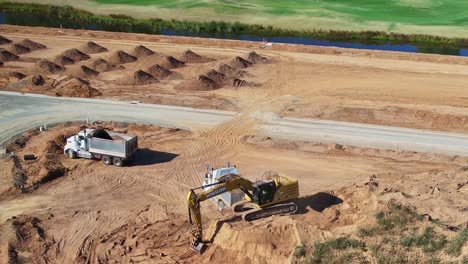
[81, 211]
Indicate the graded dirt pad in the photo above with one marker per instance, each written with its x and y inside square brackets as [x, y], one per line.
[120, 57]
[170, 62]
[81, 71]
[138, 77]
[256, 58]
[76, 87]
[75, 55]
[239, 63]
[100, 65]
[46, 66]
[191, 57]
[159, 71]
[18, 49]
[4, 40]
[201, 83]
[141, 51]
[6, 55]
[91, 47]
[32, 45]
[63, 60]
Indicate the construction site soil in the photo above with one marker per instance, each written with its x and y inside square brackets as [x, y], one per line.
[59, 210]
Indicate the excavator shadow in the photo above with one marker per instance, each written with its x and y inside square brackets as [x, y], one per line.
[317, 202]
[220, 223]
[145, 156]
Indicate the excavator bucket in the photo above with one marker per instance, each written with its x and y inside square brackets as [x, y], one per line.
[198, 247]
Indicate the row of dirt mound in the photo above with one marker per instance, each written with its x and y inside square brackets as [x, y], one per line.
[81, 71]
[48, 67]
[91, 47]
[4, 40]
[191, 57]
[138, 77]
[201, 83]
[141, 51]
[74, 87]
[75, 54]
[6, 55]
[120, 57]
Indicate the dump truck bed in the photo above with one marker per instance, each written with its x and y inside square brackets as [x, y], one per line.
[122, 145]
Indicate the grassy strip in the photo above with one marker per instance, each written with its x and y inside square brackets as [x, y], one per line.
[69, 17]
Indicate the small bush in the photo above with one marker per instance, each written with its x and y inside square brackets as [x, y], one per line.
[455, 245]
[429, 241]
[300, 251]
[323, 252]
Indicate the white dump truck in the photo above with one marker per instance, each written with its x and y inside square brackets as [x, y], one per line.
[226, 199]
[110, 147]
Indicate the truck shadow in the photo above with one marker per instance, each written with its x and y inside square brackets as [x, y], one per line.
[145, 156]
[317, 202]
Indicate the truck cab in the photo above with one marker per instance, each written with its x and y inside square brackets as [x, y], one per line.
[227, 199]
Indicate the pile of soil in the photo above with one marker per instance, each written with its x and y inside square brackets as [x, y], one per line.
[82, 71]
[100, 65]
[120, 57]
[230, 71]
[18, 49]
[4, 40]
[239, 63]
[28, 82]
[141, 51]
[63, 60]
[76, 87]
[1, 63]
[14, 75]
[202, 83]
[243, 83]
[31, 44]
[75, 55]
[191, 57]
[159, 71]
[216, 76]
[170, 62]
[256, 58]
[47, 66]
[137, 78]
[5, 55]
[91, 47]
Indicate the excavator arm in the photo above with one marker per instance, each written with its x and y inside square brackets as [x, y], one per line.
[227, 183]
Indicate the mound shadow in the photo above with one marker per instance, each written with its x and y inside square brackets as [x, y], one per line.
[317, 202]
[145, 156]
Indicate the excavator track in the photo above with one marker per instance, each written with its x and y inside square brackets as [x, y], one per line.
[281, 209]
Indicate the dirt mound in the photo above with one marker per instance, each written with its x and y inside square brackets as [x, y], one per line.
[5, 55]
[239, 63]
[141, 51]
[15, 75]
[91, 47]
[159, 71]
[255, 58]
[31, 44]
[101, 65]
[1, 63]
[230, 71]
[120, 57]
[4, 40]
[202, 83]
[75, 55]
[216, 76]
[76, 87]
[18, 49]
[63, 60]
[47, 66]
[137, 78]
[28, 82]
[191, 57]
[243, 83]
[170, 62]
[82, 71]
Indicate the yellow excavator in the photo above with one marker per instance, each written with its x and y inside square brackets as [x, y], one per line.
[271, 196]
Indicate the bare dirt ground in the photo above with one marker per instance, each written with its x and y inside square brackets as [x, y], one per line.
[81, 211]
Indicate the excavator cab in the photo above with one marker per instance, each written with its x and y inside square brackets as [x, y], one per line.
[264, 192]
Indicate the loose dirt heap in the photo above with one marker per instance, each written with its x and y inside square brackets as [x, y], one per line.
[202, 83]
[32, 81]
[230, 71]
[239, 63]
[14, 75]
[141, 51]
[31, 44]
[4, 40]
[81, 71]
[100, 65]
[63, 60]
[1, 63]
[256, 58]
[5, 55]
[138, 77]
[75, 55]
[91, 47]
[216, 76]
[18, 49]
[46, 66]
[159, 71]
[191, 57]
[75, 87]
[120, 57]
[170, 62]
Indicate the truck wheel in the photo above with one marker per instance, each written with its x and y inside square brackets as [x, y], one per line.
[106, 160]
[118, 161]
[71, 154]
